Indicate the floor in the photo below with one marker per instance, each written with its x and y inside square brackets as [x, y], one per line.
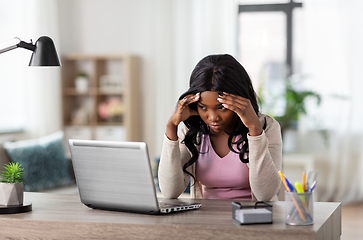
[352, 222]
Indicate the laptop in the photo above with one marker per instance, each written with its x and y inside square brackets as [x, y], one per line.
[118, 176]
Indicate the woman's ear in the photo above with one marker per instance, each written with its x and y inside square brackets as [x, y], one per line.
[194, 112]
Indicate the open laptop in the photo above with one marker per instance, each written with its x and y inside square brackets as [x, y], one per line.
[118, 176]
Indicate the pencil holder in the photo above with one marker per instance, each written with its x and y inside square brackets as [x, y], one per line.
[299, 208]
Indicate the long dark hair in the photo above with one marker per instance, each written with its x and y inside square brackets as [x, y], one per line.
[221, 73]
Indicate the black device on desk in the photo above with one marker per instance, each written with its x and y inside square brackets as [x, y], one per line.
[252, 212]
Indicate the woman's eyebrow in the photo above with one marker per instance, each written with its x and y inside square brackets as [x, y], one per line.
[200, 103]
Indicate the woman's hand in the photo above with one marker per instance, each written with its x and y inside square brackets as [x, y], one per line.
[181, 113]
[243, 108]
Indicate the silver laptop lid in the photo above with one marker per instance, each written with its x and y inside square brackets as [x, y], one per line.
[114, 175]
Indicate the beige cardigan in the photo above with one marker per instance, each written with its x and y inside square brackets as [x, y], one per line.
[265, 153]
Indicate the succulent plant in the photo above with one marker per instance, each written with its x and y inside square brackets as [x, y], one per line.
[13, 173]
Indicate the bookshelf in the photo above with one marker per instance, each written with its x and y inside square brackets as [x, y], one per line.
[101, 97]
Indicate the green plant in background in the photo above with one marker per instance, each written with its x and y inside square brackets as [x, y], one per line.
[13, 173]
[295, 104]
[82, 74]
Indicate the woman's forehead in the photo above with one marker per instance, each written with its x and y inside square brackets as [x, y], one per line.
[209, 98]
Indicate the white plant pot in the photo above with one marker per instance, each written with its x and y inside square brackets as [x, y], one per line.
[81, 84]
[11, 194]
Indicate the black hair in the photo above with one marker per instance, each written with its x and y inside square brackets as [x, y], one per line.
[220, 73]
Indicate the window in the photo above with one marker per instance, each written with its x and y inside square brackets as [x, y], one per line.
[269, 45]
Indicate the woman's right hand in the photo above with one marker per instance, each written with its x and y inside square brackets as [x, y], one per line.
[181, 113]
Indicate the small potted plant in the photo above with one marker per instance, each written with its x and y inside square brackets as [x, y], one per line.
[81, 82]
[12, 185]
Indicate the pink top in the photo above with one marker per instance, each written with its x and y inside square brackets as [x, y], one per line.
[222, 178]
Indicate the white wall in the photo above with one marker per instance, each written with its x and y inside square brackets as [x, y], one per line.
[170, 36]
[113, 27]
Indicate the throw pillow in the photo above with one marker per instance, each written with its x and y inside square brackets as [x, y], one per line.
[44, 161]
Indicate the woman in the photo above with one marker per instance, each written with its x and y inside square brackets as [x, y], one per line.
[228, 148]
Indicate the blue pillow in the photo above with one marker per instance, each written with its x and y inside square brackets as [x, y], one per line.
[44, 162]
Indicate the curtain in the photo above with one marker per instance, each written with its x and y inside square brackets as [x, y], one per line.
[42, 84]
[12, 65]
[333, 61]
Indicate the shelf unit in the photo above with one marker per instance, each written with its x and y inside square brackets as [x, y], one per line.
[81, 117]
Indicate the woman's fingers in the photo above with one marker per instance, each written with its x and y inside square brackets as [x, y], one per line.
[243, 108]
[234, 103]
[189, 99]
[183, 111]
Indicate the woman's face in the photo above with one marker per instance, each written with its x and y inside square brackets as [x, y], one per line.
[213, 113]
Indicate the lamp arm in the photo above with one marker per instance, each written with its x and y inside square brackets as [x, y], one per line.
[22, 44]
[8, 48]
[29, 46]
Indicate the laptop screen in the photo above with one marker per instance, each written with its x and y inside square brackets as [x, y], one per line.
[114, 175]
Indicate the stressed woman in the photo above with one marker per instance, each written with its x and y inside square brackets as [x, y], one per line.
[217, 137]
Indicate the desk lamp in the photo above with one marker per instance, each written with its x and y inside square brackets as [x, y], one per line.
[44, 53]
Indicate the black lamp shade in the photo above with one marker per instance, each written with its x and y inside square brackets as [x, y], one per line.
[44, 53]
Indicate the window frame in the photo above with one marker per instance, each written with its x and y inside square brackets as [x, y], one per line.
[288, 9]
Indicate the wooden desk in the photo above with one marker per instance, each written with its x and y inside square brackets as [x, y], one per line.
[65, 217]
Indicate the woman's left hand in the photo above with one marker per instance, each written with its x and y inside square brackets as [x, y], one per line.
[244, 110]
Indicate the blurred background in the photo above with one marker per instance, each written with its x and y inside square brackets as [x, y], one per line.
[304, 58]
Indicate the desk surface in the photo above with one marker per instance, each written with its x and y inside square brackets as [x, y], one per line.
[64, 216]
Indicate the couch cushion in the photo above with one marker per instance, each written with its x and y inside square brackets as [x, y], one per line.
[44, 161]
